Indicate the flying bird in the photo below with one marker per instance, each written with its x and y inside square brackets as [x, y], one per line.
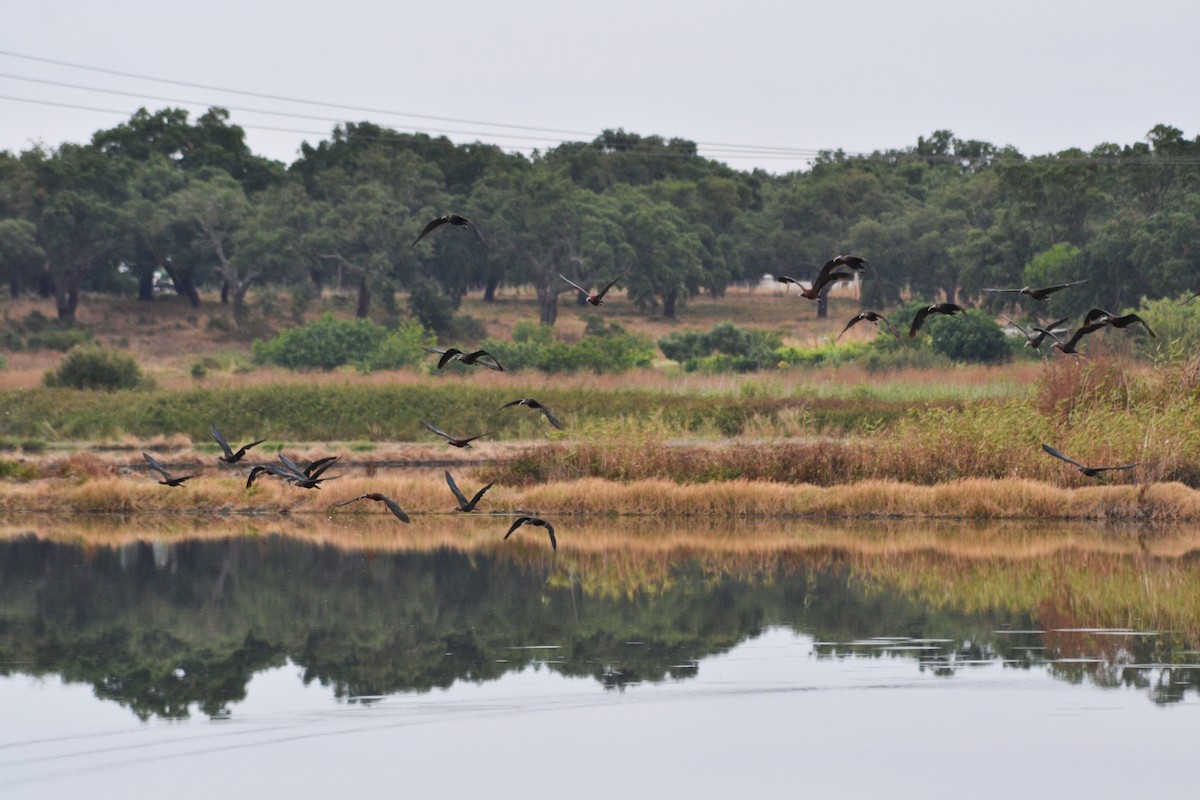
[454, 354]
[451, 440]
[1037, 294]
[1091, 472]
[453, 219]
[308, 477]
[464, 504]
[1100, 315]
[595, 298]
[391, 504]
[1035, 339]
[167, 478]
[826, 276]
[534, 404]
[936, 308]
[534, 521]
[869, 316]
[1068, 347]
[231, 457]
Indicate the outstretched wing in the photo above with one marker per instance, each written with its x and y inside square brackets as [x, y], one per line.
[448, 356]
[462, 499]
[395, 508]
[478, 495]
[512, 403]
[1057, 454]
[1056, 287]
[1123, 466]
[857, 319]
[553, 541]
[576, 285]
[1002, 291]
[315, 468]
[216, 434]
[438, 431]
[516, 524]
[787, 279]
[351, 500]
[553, 420]
[157, 467]
[610, 284]
[918, 320]
[890, 326]
[433, 224]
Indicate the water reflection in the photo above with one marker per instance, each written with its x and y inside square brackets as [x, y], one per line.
[168, 629]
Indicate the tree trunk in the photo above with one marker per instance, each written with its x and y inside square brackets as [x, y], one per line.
[224, 292]
[66, 300]
[181, 279]
[237, 296]
[822, 306]
[146, 286]
[489, 289]
[547, 305]
[669, 300]
[950, 294]
[364, 298]
[45, 285]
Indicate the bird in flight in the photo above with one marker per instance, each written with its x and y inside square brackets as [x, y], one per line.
[595, 298]
[477, 357]
[534, 521]
[869, 316]
[451, 440]
[826, 276]
[1035, 339]
[1100, 315]
[453, 219]
[465, 505]
[1037, 294]
[391, 504]
[936, 308]
[1091, 472]
[1068, 346]
[534, 404]
[167, 478]
[231, 457]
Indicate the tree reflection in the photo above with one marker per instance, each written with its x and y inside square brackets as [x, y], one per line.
[166, 630]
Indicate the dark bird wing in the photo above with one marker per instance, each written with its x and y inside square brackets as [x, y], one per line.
[890, 326]
[436, 350]
[254, 473]
[478, 495]
[1095, 314]
[291, 467]
[516, 524]
[477, 358]
[216, 434]
[610, 284]
[351, 500]
[1059, 455]
[856, 319]
[1123, 466]
[576, 285]
[553, 541]
[520, 402]
[471, 226]
[1050, 289]
[1084, 331]
[438, 431]
[462, 499]
[1002, 291]
[787, 279]
[1129, 319]
[553, 420]
[432, 225]
[919, 320]
[448, 356]
[1019, 327]
[315, 468]
[470, 439]
[394, 507]
[157, 467]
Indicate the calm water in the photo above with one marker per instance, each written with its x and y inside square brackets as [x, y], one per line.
[273, 666]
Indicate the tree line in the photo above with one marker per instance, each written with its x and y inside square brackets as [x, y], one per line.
[162, 194]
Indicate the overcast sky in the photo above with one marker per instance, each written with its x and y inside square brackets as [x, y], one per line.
[860, 75]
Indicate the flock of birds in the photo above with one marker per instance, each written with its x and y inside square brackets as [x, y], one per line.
[839, 268]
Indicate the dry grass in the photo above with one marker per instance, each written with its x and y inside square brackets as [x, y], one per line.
[425, 492]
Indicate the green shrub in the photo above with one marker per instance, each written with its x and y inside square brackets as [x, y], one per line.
[18, 470]
[62, 339]
[972, 336]
[603, 348]
[401, 348]
[93, 367]
[325, 344]
[725, 348]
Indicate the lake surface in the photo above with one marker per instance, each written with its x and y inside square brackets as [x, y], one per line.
[998, 662]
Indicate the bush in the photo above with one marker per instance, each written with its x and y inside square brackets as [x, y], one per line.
[603, 348]
[93, 367]
[972, 336]
[403, 347]
[725, 348]
[325, 344]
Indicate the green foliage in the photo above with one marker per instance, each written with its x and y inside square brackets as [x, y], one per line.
[403, 347]
[36, 331]
[93, 367]
[972, 336]
[608, 348]
[1176, 323]
[724, 348]
[325, 344]
[17, 470]
[827, 355]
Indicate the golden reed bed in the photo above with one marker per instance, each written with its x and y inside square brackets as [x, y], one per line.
[423, 492]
